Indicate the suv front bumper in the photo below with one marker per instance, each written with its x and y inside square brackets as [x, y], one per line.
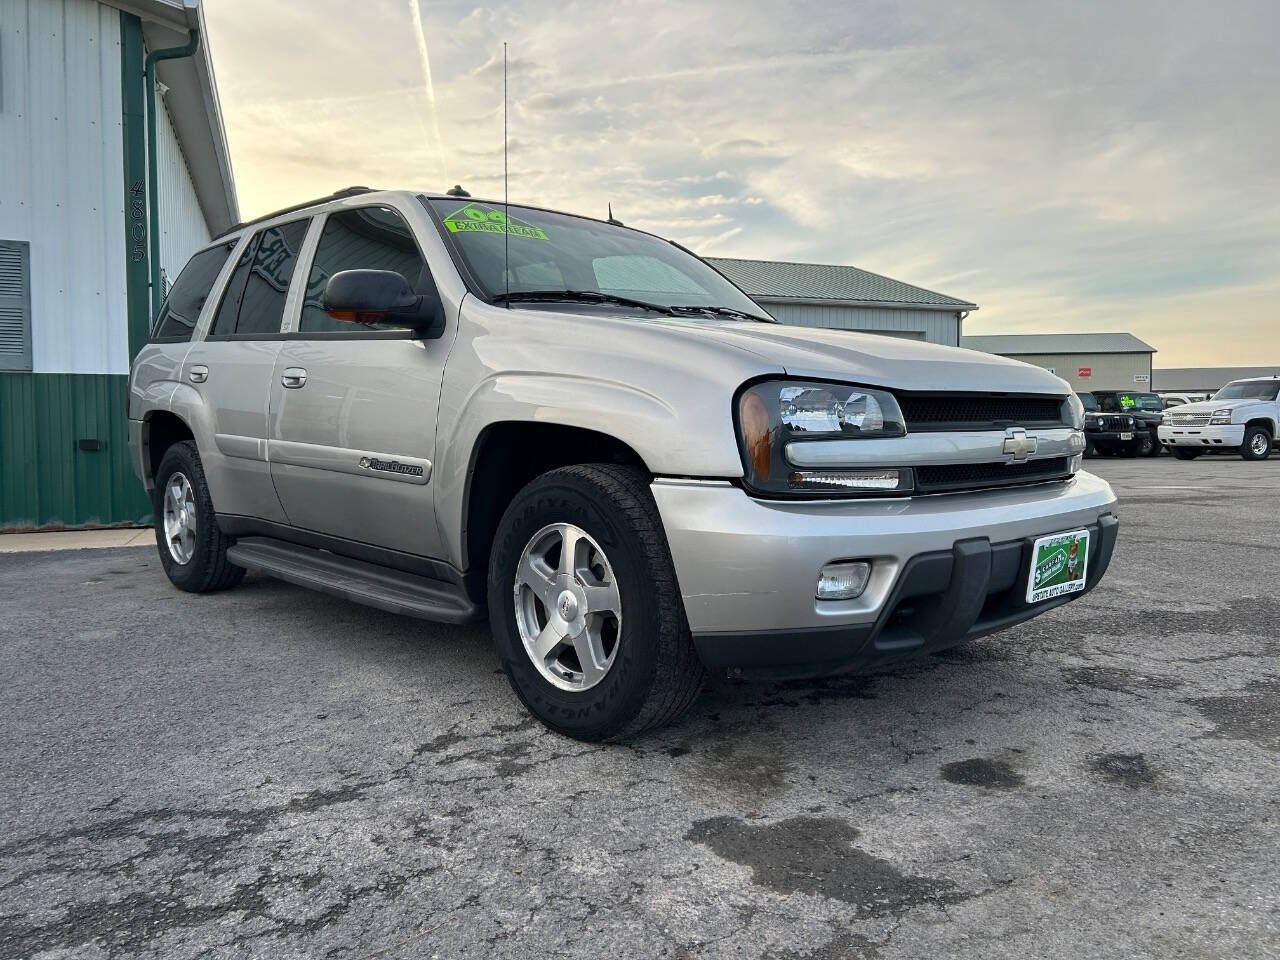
[945, 568]
[1221, 436]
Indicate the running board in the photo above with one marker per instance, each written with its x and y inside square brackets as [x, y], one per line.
[366, 583]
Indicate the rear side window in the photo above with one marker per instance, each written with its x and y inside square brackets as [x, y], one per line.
[368, 238]
[253, 303]
[181, 309]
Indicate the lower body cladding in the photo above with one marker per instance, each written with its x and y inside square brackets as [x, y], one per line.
[1226, 436]
[944, 569]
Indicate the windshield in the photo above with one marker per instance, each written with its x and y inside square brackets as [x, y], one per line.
[1128, 402]
[555, 252]
[1088, 400]
[1249, 390]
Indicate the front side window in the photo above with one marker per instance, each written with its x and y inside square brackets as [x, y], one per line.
[366, 238]
[181, 308]
[1249, 390]
[1088, 401]
[524, 251]
[253, 303]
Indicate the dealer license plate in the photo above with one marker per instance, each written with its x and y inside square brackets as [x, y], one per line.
[1126, 436]
[1058, 565]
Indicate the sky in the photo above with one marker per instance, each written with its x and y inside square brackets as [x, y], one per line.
[1068, 166]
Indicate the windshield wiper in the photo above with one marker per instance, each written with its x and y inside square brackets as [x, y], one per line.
[578, 296]
[724, 312]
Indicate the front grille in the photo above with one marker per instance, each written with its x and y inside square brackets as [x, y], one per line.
[979, 476]
[1189, 419]
[1114, 421]
[979, 411]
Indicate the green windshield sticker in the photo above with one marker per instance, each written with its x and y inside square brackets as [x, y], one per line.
[479, 218]
[1126, 401]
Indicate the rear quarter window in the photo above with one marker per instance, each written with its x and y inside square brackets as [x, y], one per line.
[180, 311]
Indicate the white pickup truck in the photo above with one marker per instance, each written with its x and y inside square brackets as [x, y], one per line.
[1241, 416]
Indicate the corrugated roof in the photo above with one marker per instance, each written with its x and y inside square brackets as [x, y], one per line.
[1018, 344]
[779, 280]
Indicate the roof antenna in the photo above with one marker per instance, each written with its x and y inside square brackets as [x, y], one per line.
[506, 206]
[611, 220]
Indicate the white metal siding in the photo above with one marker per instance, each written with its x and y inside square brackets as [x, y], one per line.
[182, 226]
[935, 326]
[61, 182]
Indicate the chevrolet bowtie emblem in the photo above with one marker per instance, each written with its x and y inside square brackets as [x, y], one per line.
[1018, 445]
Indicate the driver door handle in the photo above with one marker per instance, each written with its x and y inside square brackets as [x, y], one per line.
[293, 377]
[199, 373]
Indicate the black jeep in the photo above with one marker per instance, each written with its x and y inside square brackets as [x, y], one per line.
[1147, 411]
[1106, 433]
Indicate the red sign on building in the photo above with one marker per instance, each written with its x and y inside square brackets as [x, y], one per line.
[1084, 373]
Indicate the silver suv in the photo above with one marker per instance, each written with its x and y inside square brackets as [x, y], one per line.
[449, 409]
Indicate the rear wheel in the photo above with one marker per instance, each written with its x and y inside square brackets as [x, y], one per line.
[1186, 453]
[585, 611]
[1257, 444]
[193, 550]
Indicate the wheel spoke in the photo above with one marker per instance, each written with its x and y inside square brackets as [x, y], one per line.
[571, 543]
[547, 640]
[534, 574]
[601, 598]
[590, 655]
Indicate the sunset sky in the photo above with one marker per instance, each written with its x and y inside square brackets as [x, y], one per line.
[1080, 166]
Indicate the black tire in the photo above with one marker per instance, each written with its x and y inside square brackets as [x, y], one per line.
[1186, 453]
[1257, 443]
[1148, 445]
[655, 674]
[208, 569]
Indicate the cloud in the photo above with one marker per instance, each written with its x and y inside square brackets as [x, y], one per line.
[1068, 167]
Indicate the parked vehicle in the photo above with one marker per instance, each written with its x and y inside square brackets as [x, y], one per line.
[1242, 417]
[1106, 434]
[1146, 412]
[1178, 399]
[449, 408]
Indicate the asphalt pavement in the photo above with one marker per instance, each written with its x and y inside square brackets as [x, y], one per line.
[274, 773]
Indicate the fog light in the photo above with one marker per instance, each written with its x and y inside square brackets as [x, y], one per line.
[877, 480]
[843, 581]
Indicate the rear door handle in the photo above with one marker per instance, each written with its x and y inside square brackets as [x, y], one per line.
[199, 373]
[293, 377]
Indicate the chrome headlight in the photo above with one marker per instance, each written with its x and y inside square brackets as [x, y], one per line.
[1221, 418]
[774, 413]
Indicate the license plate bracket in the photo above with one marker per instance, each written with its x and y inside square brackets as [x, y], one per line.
[1059, 565]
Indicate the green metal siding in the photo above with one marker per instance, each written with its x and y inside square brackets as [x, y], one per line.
[45, 479]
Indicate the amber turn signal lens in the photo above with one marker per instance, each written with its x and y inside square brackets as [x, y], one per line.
[755, 434]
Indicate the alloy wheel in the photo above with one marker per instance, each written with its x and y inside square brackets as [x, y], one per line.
[568, 607]
[180, 518]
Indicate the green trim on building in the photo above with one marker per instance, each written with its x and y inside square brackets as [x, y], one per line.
[134, 127]
[46, 480]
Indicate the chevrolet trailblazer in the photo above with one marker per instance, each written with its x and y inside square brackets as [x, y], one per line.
[453, 409]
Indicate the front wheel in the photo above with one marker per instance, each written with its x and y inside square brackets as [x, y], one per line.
[1186, 453]
[585, 611]
[1148, 446]
[1257, 444]
[193, 550]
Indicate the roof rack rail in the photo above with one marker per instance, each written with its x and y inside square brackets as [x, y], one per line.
[336, 195]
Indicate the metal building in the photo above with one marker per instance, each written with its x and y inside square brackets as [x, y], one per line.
[1087, 361]
[95, 215]
[847, 298]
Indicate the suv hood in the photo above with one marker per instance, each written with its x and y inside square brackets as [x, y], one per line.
[1208, 406]
[877, 360]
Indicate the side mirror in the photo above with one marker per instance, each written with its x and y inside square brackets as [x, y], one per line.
[382, 296]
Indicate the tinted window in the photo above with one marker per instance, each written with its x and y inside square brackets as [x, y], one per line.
[254, 300]
[369, 238]
[181, 309]
[1088, 400]
[1249, 390]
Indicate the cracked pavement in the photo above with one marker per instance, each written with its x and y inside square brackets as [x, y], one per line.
[270, 772]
